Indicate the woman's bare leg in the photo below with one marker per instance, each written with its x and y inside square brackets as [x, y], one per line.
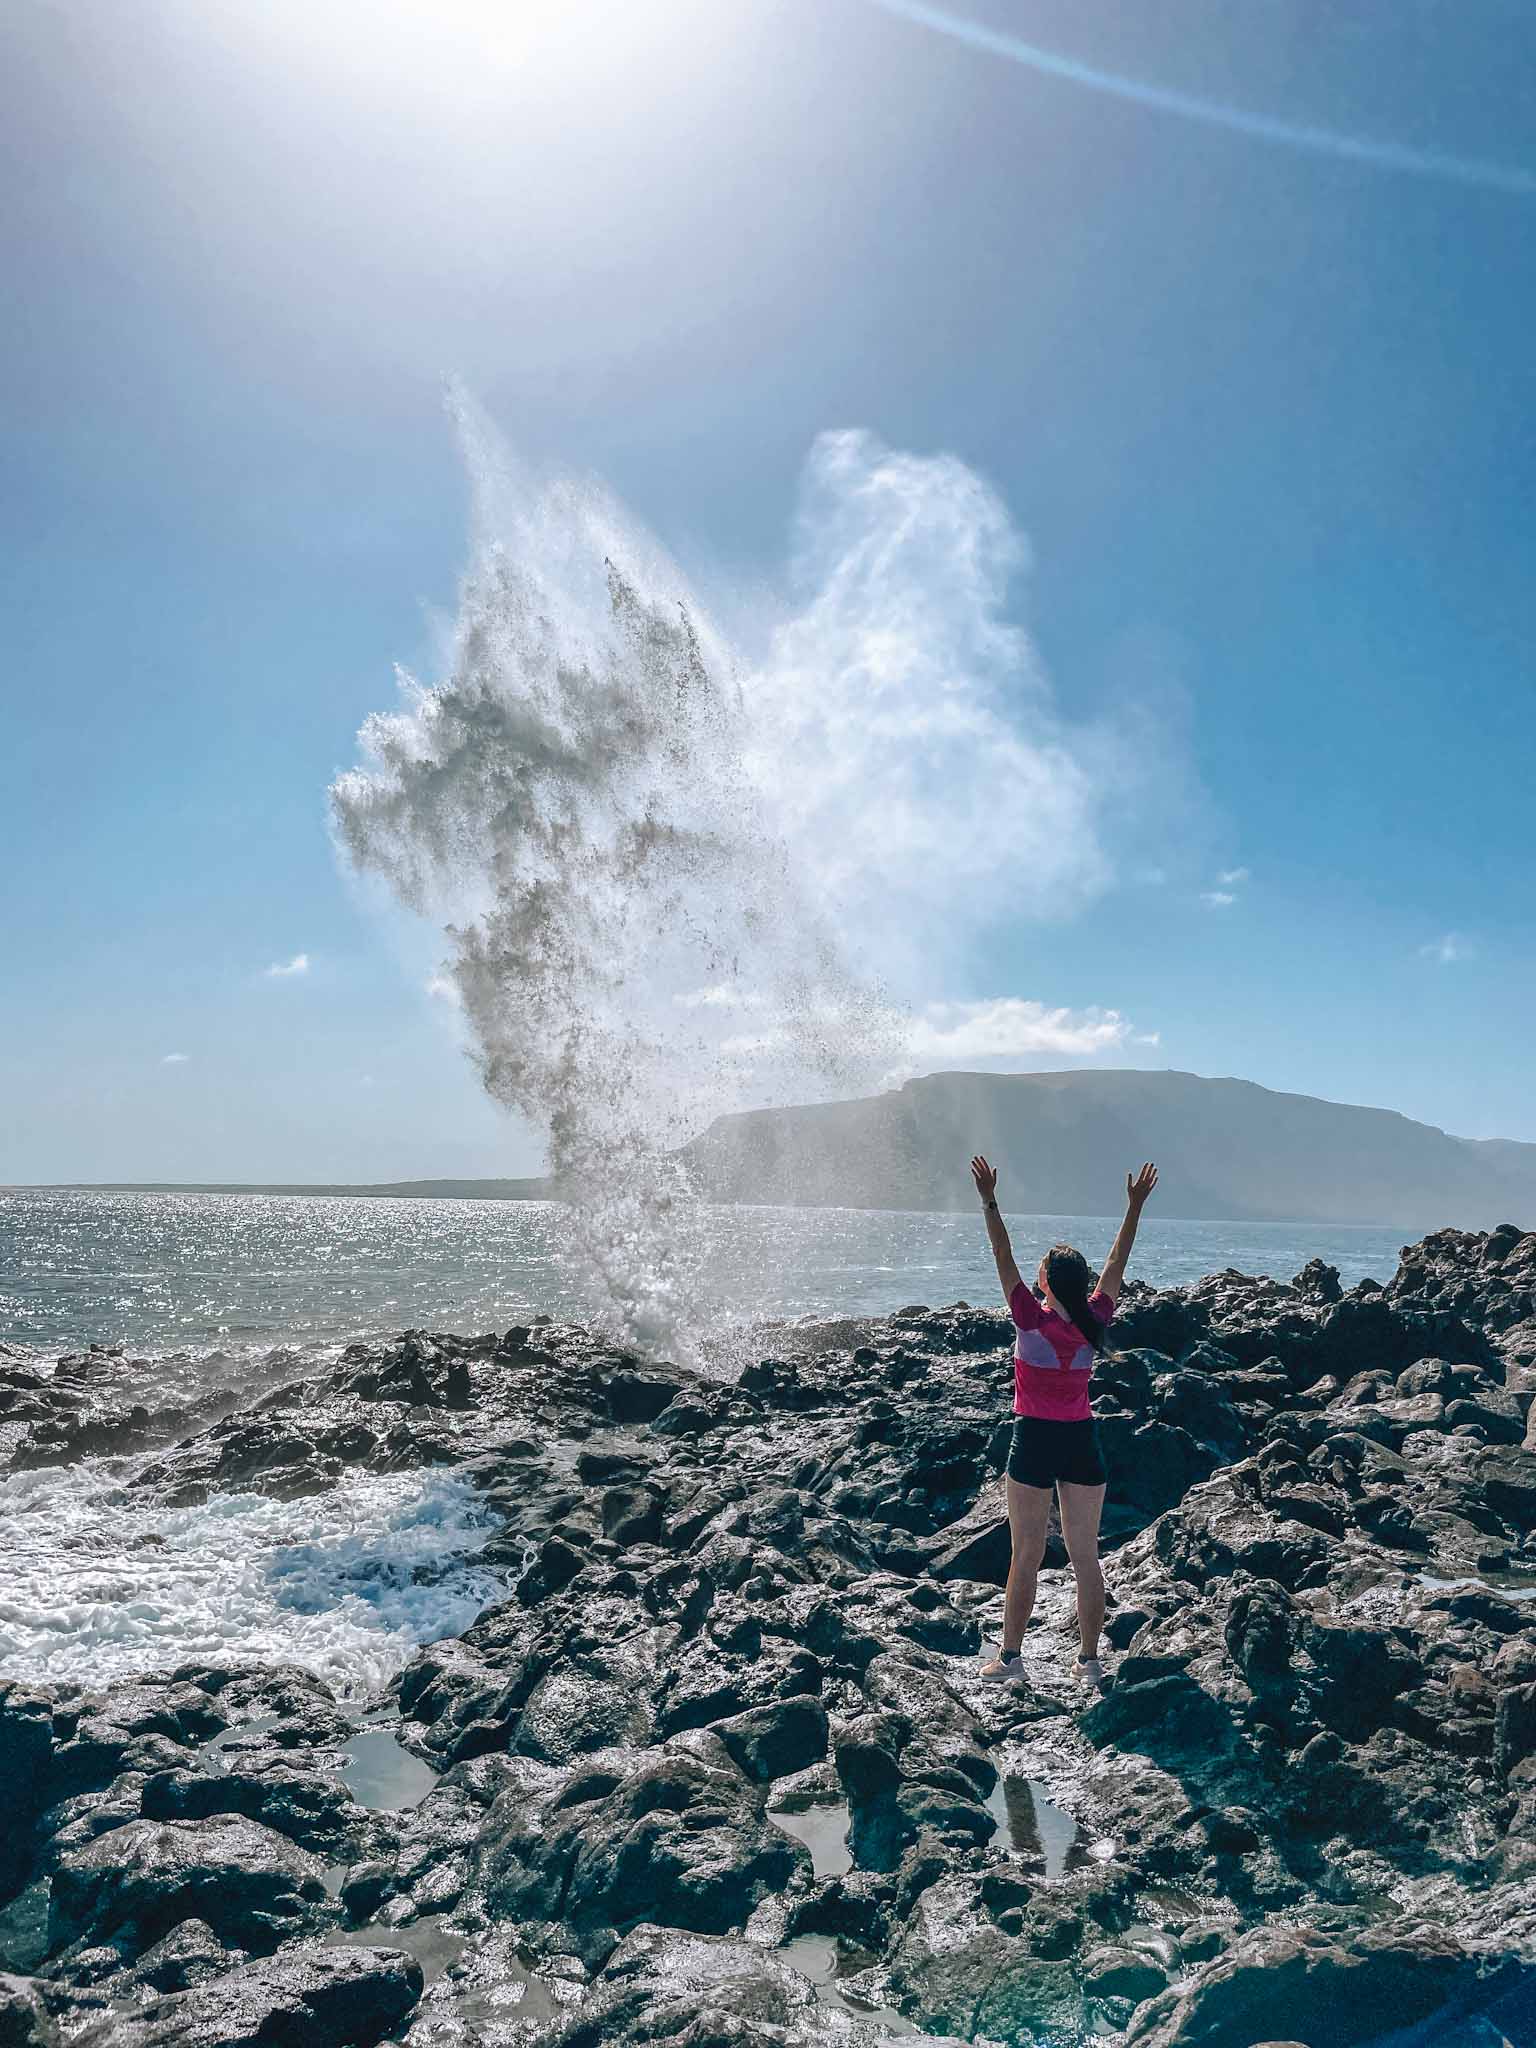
[1029, 1509]
[1081, 1507]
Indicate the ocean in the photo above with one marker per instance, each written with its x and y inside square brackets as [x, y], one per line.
[101, 1581]
[232, 1273]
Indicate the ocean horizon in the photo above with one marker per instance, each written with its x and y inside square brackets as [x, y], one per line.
[165, 1271]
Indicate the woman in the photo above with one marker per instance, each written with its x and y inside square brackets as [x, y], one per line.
[1055, 1441]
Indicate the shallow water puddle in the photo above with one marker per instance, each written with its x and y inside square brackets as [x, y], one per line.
[824, 1961]
[493, 1985]
[1508, 1585]
[824, 1831]
[433, 1946]
[224, 1749]
[1037, 1828]
[382, 1772]
[375, 1766]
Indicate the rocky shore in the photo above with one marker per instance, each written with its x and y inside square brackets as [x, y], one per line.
[718, 1770]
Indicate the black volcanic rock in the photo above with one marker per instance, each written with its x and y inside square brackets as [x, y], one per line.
[26, 1744]
[132, 1884]
[311, 1998]
[718, 1769]
[1302, 1983]
[25, 2021]
[679, 1839]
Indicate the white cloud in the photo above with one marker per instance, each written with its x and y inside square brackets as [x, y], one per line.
[948, 1034]
[1449, 947]
[443, 990]
[1228, 882]
[283, 970]
[175, 1059]
[1009, 1027]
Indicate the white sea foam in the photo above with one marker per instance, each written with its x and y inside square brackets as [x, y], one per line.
[100, 1583]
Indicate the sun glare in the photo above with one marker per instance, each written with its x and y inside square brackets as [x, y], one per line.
[550, 43]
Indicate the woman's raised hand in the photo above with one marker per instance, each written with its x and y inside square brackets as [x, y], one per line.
[1139, 1185]
[985, 1178]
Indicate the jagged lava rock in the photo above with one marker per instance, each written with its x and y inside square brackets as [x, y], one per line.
[717, 1768]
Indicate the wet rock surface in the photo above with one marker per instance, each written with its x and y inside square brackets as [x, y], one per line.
[719, 1769]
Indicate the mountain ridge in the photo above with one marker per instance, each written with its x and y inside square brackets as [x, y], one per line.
[1230, 1151]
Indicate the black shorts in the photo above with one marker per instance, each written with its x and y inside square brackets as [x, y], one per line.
[1043, 1452]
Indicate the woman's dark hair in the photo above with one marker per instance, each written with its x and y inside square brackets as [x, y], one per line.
[1066, 1274]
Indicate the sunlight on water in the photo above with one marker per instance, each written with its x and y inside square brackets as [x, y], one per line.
[226, 1273]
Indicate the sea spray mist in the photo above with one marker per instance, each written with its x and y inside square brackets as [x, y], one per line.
[629, 941]
[675, 881]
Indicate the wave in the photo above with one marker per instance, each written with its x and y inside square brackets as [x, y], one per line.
[101, 1585]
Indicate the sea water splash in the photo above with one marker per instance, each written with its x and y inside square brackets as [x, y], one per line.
[102, 1583]
[675, 882]
[629, 945]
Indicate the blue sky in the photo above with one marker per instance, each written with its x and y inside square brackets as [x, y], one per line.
[1263, 414]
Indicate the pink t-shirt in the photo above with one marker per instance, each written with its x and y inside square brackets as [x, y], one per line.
[1052, 1360]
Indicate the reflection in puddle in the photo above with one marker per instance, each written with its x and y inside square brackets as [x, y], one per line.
[1037, 1828]
[494, 1992]
[226, 1747]
[375, 1767]
[383, 1774]
[433, 1946]
[1508, 1585]
[824, 1831]
[828, 1963]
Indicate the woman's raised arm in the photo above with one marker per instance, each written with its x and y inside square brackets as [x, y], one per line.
[1137, 1188]
[985, 1178]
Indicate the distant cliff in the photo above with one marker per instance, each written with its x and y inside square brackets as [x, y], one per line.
[1227, 1150]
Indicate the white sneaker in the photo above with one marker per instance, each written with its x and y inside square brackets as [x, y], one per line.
[1004, 1670]
[1091, 1671]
